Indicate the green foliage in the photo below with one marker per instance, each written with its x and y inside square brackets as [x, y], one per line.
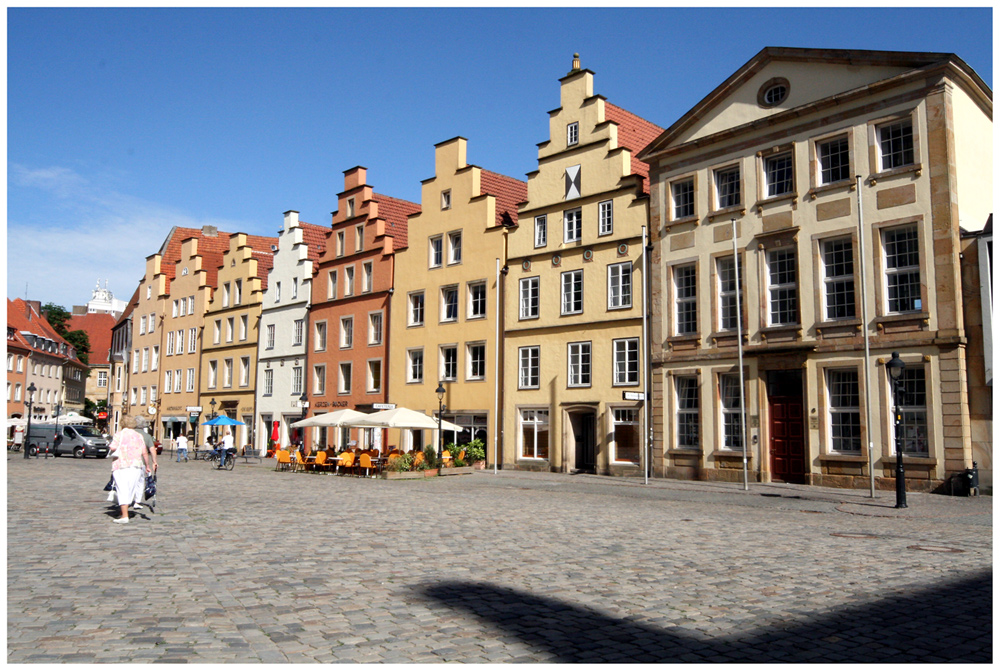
[475, 451]
[81, 343]
[459, 463]
[430, 457]
[57, 316]
[401, 463]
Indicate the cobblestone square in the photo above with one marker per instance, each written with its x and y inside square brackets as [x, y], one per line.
[258, 566]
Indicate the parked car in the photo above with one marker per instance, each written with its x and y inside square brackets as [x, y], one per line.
[79, 441]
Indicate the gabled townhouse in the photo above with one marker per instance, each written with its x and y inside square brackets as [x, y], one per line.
[121, 360]
[446, 327]
[573, 331]
[281, 351]
[348, 341]
[229, 343]
[18, 361]
[846, 176]
[147, 317]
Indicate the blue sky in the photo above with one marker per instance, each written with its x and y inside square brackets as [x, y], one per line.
[125, 122]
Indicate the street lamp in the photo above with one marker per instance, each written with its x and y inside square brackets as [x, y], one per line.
[211, 417]
[440, 394]
[895, 368]
[31, 399]
[304, 404]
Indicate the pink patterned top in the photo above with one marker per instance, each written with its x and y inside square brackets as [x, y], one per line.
[130, 446]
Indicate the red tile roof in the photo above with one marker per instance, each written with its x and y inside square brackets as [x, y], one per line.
[315, 238]
[508, 192]
[395, 211]
[98, 328]
[634, 133]
[23, 317]
[132, 303]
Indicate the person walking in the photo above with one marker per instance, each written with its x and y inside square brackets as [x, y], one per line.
[131, 461]
[182, 447]
[142, 428]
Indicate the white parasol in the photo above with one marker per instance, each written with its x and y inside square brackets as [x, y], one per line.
[343, 417]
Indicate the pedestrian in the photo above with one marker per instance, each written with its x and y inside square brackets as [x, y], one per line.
[227, 444]
[131, 462]
[142, 428]
[182, 447]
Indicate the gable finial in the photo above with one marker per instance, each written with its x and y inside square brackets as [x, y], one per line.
[576, 62]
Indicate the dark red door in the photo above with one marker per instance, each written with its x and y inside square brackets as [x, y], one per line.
[788, 444]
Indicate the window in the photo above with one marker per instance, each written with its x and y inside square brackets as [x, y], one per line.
[454, 247]
[895, 144]
[149, 292]
[297, 381]
[687, 412]
[782, 287]
[344, 384]
[417, 309]
[728, 285]
[340, 242]
[435, 251]
[528, 359]
[190, 379]
[374, 377]
[845, 411]
[541, 231]
[20, 363]
[170, 343]
[277, 292]
[572, 133]
[227, 373]
[268, 382]
[729, 399]
[213, 374]
[168, 382]
[477, 300]
[359, 238]
[529, 298]
[230, 327]
[298, 332]
[180, 342]
[152, 322]
[415, 365]
[269, 337]
[243, 327]
[625, 429]
[217, 332]
[190, 302]
[449, 304]
[534, 434]
[375, 328]
[225, 295]
[183, 307]
[834, 160]
[238, 292]
[620, 285]
[626, 364]
[349, 281]
[244, 371]
[572, 292]
[475, 361]
[319, 380]
[774, 93]
[145, 359]
[572, 225]
[606, 224]
[682, 193]
[319, 336]
[350, 208]
[142, 325]
[142, 396]
[331, 285]
[132, 399]
[17, 389]
[778, 174]
[346, 333]
[174, 310]
[838, 278]
[295, 288]
[102, 378]
[685, 300]
[578, 364]
[727, 187]
[366, 276]
[446, 199]
[902, 269]
[449, 362]
[913, 411]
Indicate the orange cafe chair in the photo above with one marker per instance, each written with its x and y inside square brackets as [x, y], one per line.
[346, 462]
[320, 465]
[366, 463]
[300, 463]
[284, 461]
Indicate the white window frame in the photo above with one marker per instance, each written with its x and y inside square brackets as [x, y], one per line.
[778, 172]
[348, 281]
[541, 231]
[238, 292]
[727, 295]
[170, 343]
[244, 326]
[320, 335]
[837, 256]
[829, 159]
[684, 199]
[446, 304]
[443, 355]
[782, 287]
[344, 382]
[904, 145]
[374, 377]
[470, 291]
[620, 286]
[687, 412]
[539, 420]
[724, 195]
[268, 382]
[571, 283]
[376, 328]
[898, 272]
[217, 332]
[572, 133]
[347, 332]
[319, 379]
[579, 364]
[269, 336]
[190, 379]
[730, 412]
[625, 362]
[331, 285]
[454, 248]
[416, 305]
[573, 225]
[359, 238]
[227, 373]
[839, 415]
[528, 366]
[685, 279]
[470, 360]
[230, 328]
[297, 381]
[528, 292]
[446, 199]
[244, 371]
[225, 294]
[606, 217]
[414, 366]
[435, 251]
[624, 417]
[340, 241]
[213, 374]
[367, 279]
[298, 332]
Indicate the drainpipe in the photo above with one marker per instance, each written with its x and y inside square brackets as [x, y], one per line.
[739, 344]
[644, 353]
[864, 327]
[496, 378]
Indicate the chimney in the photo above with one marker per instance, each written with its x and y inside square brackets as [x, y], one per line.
[209, 231]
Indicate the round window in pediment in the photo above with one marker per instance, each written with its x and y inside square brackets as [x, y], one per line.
[773, 92]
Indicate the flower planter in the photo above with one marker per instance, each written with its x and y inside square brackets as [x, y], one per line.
[457, 470]
[479, 465]
[431, 473]
[402, 475]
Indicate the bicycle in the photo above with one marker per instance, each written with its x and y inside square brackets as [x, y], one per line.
[229, 459]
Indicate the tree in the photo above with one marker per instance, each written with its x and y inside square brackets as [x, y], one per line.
[81, 342]
[57, 316]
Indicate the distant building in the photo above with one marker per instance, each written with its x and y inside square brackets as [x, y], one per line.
[102, 302]
[98, 326]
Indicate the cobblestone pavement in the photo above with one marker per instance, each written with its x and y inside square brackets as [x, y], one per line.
[258, 566]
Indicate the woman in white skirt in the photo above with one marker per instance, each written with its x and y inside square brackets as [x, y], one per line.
[130, 459]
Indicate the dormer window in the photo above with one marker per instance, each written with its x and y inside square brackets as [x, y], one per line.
[572, 134]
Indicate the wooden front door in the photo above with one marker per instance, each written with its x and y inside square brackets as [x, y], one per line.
[788, 444]
[584, 426]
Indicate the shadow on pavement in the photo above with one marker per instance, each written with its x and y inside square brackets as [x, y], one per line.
[952, 622]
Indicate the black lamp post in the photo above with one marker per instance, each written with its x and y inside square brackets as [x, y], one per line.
[31, 400]
[211, 417]
[440, 394]
[304, 404]
[895, 368]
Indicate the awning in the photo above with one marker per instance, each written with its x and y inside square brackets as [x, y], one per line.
[174, 418]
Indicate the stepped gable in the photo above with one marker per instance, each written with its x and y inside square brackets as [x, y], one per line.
[210, 248]
[634, 134]
[315, 238]
[508, 192]
[261, 250]
[395, 211]
[98, 329]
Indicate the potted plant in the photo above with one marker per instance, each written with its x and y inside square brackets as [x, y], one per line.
[399, 468]
[430, 463]
[475, 453]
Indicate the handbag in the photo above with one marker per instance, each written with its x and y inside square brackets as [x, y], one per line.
[111, 484]
[151, 486]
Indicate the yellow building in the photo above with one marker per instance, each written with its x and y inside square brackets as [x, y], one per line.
[229, 342]
[573, 326]
[147, 315]
[444, 307]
